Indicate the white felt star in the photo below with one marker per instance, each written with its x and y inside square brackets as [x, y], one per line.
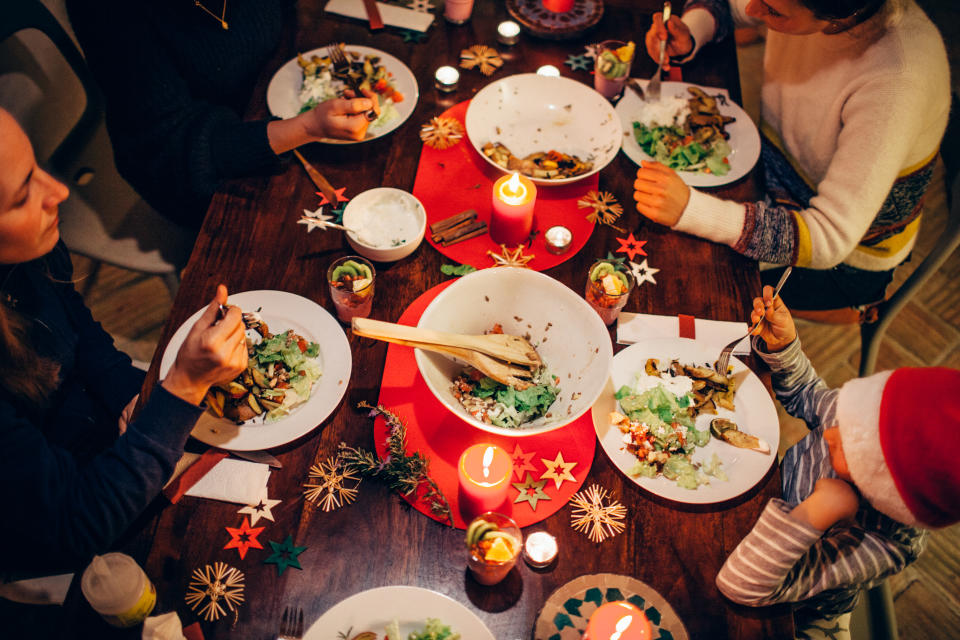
[315, 219]
[643, 272]
[261, 509]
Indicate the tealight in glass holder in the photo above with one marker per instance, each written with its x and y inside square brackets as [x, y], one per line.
[446, 79]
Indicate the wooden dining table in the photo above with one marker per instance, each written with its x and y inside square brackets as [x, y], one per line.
[250, 240]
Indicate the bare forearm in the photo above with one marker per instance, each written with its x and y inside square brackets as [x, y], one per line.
[285, 135]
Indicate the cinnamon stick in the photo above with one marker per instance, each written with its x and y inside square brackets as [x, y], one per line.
[446, 223]
[482, 229]
[458, 231]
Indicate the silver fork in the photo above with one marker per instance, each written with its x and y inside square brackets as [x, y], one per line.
[653, 87]
[724, 360]
[291, 624]
[342, 66]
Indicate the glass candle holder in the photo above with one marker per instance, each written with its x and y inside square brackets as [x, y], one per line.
[508, 32]
[558, 239]
[446, 79]
[548, 70]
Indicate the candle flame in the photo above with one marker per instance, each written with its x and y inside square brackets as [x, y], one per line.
[622, 625]
[487, 461]
[513, 191]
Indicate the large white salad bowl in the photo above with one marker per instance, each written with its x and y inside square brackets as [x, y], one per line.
[529, 113]
[567, 333]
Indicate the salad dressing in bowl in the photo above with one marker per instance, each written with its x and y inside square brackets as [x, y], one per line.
[385, 224]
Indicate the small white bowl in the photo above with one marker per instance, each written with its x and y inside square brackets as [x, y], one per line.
[357, 214]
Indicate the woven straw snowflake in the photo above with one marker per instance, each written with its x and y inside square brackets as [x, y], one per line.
[510, 258]
[482, 56]
[214, 587]
[441, 133]
[594, 516]
[326, 486]
[604, 208]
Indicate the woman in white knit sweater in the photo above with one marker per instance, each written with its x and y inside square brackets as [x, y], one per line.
[855, 100]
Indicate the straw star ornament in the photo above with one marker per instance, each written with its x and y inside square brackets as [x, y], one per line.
[214, 590]
[327, 484]
[595, 516]
[481, 56]
[441, 133]
[511, 257]
[604, 208]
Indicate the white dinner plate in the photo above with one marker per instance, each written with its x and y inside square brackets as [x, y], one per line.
[283, 92]
[281, 311]
[755, 414]
[744, 137]
[374, 609]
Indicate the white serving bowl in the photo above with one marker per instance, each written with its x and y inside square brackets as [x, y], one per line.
[357, 211]
[567, 332]
[529, 113]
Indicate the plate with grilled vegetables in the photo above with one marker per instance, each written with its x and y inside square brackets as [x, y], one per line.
[299, 365]
[681, 430]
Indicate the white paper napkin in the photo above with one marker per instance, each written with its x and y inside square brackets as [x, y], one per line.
[392, 15]
[232, 480]
[634, 327]
[165, 627]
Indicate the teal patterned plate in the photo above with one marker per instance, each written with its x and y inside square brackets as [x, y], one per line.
[564, 615]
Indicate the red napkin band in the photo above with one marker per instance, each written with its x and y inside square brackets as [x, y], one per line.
[193, 632]
[688, 327]
[675, 74]
[182, 483]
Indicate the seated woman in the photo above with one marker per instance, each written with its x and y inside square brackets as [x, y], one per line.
[74, 467]
[854, 103]
[176, 84]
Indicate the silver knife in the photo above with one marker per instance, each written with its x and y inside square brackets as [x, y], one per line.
[259, 456]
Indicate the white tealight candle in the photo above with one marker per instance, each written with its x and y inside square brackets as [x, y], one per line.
[508, 32]
[548, 70]
[540, 549]
[446, 79]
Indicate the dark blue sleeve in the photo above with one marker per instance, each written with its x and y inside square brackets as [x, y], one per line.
[60, 514]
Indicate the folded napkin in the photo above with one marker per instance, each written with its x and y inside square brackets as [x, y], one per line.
[392, 15]
[634, 327]
[164, 627]
[232, 480]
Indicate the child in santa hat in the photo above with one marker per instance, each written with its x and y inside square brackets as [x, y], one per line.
[878, 468]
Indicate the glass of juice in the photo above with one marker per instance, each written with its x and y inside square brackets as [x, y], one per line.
[612, 67]
[608, 288]
[351, 280]
[494, 542]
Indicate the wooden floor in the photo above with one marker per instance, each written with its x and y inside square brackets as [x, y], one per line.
[133, 308]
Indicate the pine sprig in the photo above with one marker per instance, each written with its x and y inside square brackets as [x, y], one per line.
[402, 472]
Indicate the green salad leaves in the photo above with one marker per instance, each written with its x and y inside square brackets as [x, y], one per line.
[679, 151]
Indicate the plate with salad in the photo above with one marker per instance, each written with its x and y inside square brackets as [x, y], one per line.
[665, 421]
[310, 78]
[698, 131]
[399, 613]
[299, 365]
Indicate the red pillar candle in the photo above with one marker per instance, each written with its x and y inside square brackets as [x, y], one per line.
[618, 621]
[484, 474]
[558, 6]
[512, 217]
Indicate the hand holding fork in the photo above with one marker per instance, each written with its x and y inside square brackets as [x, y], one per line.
[779, 334]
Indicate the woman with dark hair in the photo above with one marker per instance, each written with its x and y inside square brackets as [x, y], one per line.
[75, 470]
[854, 103]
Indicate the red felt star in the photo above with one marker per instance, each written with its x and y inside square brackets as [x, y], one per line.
[631, 246]
[337, 192]
[244, 538]
[521, 461]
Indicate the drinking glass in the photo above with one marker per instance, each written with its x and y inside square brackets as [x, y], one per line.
[508, 534]
[604, 300]
[610, 72]
[352, 293]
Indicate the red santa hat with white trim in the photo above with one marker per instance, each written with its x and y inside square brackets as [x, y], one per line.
[900, 432]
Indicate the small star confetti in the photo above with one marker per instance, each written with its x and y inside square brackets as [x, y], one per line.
[213, 588]
[262, 509]
[326, 485]
[605, 208]
[441, 133]
[558, 470]
[643, 272]
[508, 258]
[578, 62]
[631, 246]
[284, 555]
[521, 461]
[594, 516]
[337, 192]
[530, 491]
[315, 219]
[409, 35]
[337, 213]
[244, 538]
[590, 51]
[422, 6]
[482, 56]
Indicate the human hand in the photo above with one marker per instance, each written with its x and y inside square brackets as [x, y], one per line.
[676, 33]
[127, 414]
[215, 350]
[777, 328]
[832, 500]
[660, 193]
[343, 118]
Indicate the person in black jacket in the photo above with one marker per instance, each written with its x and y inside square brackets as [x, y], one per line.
[176, 84]
[75, 470]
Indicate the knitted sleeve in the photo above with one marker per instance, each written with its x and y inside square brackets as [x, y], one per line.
[797, 386]
[785, 560]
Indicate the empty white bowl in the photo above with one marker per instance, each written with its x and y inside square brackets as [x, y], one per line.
[388, 224]
[567, 333]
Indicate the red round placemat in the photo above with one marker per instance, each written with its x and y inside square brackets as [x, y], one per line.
[457, 178]
[441, 436]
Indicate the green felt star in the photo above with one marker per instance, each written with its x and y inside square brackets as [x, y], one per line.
[578, 62]
[284, 554]
[338, 213]
[530, 491]
[409, 35]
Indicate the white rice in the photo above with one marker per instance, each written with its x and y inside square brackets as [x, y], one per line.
[670, 110]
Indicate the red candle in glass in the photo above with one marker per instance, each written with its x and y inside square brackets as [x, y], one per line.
[558, 6]
[618, 621]
[512, 216]
[484, 475]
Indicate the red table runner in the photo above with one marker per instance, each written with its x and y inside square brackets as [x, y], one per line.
[441, 436]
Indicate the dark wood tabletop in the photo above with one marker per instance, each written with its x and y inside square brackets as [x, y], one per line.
[250, 240]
